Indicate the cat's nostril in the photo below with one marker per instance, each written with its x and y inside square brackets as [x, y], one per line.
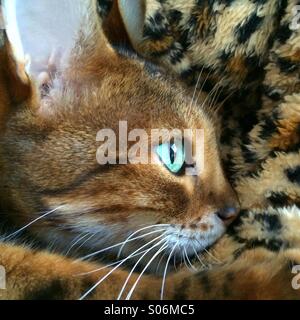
[227, 213]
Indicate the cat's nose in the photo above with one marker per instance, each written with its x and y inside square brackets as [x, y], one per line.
[228, 213]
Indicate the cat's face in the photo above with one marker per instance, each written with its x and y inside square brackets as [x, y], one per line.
[50, 173]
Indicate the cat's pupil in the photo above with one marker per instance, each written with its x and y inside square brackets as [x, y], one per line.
[173, 150]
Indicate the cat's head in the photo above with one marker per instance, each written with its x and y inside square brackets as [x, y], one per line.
[51, 179]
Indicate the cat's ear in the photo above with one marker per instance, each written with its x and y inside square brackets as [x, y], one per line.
[15, 86]
[52, 36]
[132, 13]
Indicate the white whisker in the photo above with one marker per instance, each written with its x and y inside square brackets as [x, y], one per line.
[109, 265]
[75, 241]
[32, 222]
[209, 253]
[212, 256]
[85, 241]
[137, 231]
[174, 262]
[194, 93]
[159, 262]
[188, 266]
[165, 272]
[198, 257]
[202, 86]
[184, 261]
[117, 245]
[188, 260]
[163, 247]
[211, 95]
[116, 267]
[136, 264]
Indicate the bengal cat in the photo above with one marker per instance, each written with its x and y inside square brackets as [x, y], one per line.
[53, 188]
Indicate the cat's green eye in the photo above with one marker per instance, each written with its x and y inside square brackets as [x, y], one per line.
[172, 156]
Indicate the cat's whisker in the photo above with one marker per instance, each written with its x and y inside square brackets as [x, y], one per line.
[208, 252]
[117, 245]
[183, 260]
[210, 96]
[162, 248]
[215, 98]
[194, 93]
[135, 266]
[174, 262]
[194, 101]
[31, 223]
[85, 241]
[201, 89]
[221, 103]
[216, 104]
[137, 231]
[165, 272]
[199, 259]
[229, 96]
[116, 267]
[109, 265]
[212, 256]
[188, 260]
[159, 262]
[76, 238]
[76, 241]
